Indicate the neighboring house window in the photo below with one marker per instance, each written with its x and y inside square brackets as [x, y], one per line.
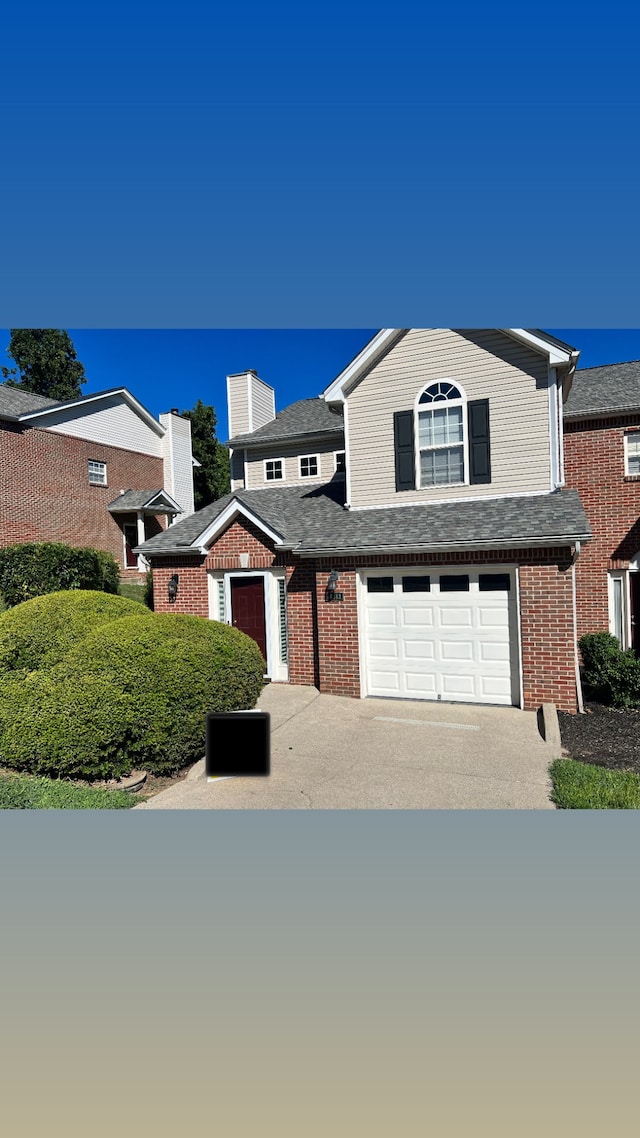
[632, 453]
[340, 462]
[97, 473]
[441, 435]
[309, 466]
[273, 470]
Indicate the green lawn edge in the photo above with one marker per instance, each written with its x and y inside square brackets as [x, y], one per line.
[582, 786]
[34, 792]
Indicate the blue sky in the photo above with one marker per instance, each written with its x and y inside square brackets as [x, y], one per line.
[165, 368]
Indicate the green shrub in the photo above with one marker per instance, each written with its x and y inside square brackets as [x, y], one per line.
[39, 633]
[613, 674]
[148, 589]
[37, 568]
[123, 689]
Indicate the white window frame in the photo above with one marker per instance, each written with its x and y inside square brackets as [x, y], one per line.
[621, 575]
[630, 435]
[421, 407]
[282, 470]
[103, 465]
[336, 455]
[309, 458]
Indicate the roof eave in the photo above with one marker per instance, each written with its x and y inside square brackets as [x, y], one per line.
[557, 540]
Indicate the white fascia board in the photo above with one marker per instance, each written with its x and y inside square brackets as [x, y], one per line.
[556, 355]
[166, 498]
[98, 398]
[335, 392]
[220, 523]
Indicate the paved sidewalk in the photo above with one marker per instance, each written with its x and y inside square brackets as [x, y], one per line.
[333, 753]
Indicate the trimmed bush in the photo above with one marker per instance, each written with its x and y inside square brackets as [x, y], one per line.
[39, 633]
[613, 675]
[123, 689]
[37, 568]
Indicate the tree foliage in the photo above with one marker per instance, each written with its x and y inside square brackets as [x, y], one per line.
[46, 363]
[211, 480]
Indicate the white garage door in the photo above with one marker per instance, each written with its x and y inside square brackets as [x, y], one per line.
[438, 634]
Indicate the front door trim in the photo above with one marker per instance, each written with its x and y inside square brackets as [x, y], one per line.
[275, 669]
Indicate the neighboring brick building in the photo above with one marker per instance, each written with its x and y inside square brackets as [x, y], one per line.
[407, 534]
[95, 471]
[602, 462]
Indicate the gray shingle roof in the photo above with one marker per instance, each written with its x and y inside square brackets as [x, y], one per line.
[605, 390]
[314, 521]
[15, 402]
[134, 500]
[306, 417]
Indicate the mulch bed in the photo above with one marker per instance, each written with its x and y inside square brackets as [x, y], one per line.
[604, 736]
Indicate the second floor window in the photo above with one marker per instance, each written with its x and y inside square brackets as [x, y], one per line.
[309, 466]
[340, 462]
[97, 473]
[441, 434]
[273, 470]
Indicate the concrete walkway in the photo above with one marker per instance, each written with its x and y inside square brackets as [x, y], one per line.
[333, 753]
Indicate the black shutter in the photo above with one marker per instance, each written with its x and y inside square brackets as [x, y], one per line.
[405, 456]
[479, 445]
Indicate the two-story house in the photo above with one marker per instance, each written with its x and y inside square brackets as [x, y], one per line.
[406, 534]
[602, 462]
[99, 470]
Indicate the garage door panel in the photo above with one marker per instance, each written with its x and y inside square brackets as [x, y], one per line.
[419, 650]
[384, 648]
[455, 645]
[456, 650]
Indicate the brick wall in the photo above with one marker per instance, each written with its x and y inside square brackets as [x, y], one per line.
[45, 493]
[193, 593]
[547, 636]
[594, 466]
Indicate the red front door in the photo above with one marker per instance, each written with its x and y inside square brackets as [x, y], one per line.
[247, 609]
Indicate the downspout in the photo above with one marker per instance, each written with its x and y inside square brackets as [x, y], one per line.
[574, 558]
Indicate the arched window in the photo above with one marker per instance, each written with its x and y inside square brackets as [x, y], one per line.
[441, 434]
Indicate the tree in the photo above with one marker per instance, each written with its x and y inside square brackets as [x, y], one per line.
[211, 480]
[47, 363]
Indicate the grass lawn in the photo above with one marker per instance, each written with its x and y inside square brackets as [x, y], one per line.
[582, 786]
[29, 792]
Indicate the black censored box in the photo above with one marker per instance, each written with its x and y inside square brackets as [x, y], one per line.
[238, 744]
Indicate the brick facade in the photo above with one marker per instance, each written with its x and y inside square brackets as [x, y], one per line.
[323, 635]
[45, 493]
[594, 466]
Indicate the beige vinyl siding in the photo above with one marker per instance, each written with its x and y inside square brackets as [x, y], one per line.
[238, 404]
[488, 365]
[263, 402]
[112, 422]
[178, 467]
[290, 455]
[237, 470]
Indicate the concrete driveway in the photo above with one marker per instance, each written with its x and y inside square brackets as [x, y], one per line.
[332, 753]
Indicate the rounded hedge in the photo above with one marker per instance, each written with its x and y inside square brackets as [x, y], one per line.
[128, 689]
[39, 633]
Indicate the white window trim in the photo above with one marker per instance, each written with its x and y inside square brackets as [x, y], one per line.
[462, 402]
[627, 436]
[316, 458]
[623, 576]
[96, 462]
[282, 467]
[335, 462]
